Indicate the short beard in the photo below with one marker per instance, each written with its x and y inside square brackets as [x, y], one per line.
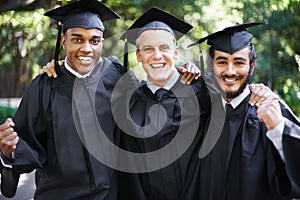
[231, 95]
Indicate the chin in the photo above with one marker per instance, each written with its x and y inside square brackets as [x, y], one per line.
[231, 95]
[234, 93]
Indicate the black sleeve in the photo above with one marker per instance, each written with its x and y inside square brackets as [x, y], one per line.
[291, 149]
[9, 182]
[31, 126]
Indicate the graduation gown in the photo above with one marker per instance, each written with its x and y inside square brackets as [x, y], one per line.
[179, 179]
[244, 164]
[290, 147]
[49, 141]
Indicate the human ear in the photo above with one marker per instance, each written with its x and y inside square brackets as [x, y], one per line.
[253, 64]
[63, 42]
[138, 55]
[176, 54]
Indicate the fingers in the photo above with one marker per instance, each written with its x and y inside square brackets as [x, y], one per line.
[196, 71]
[10, 122]
[61, 62]
[9, 144]
[192, 68]
[190, 72]
[187, 78]
[269, 112]
[6, 129]
[7, 124]
[181, 69]
[8, 138]
[260, 93]
[256, 95]
[41, 71]
[50, 68]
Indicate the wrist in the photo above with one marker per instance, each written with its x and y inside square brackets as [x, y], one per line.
[10, 157]
[6, 160]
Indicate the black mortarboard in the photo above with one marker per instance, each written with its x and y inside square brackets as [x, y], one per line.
[231, 39]
[154, 19]
[82, 13]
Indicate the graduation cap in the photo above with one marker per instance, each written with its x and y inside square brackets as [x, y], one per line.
[82, 13]
[154, 19]
[229, 40]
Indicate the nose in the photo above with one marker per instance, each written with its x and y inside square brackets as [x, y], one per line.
[157, 54]
[230, 69]
[86, 47]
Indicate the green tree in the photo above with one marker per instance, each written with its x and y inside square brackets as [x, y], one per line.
[278, 47]
[25, 44]
[28, 38]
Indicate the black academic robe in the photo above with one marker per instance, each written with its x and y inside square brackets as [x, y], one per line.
[179, 179]
[290, 145]
[47, 123]
[245, 165]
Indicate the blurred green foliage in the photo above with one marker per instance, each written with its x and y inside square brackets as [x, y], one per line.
[6, 112]
[26, 43]
[28, 39]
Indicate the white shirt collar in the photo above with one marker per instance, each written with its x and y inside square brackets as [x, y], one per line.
[167, 86]
[72, 71]
[237, 100]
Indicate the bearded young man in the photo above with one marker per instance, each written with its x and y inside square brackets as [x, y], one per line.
[254, 155]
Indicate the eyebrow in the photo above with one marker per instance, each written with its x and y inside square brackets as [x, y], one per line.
[76, 34]
[149, 45]
[80, 35]
[235, 58]
[221, 58]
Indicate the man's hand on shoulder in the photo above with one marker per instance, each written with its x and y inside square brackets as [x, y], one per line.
[49, 68]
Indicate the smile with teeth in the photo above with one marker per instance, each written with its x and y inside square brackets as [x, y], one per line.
[83, 58]
[230, 80]
[160, 65]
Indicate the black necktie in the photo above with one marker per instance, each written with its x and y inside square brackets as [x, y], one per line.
[224, 146]
[161, 92]
[229, 110]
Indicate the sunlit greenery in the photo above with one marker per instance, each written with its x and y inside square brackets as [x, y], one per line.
[6, 112]
[28, 39]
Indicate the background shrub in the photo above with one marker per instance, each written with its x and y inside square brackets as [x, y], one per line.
[6, 112]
